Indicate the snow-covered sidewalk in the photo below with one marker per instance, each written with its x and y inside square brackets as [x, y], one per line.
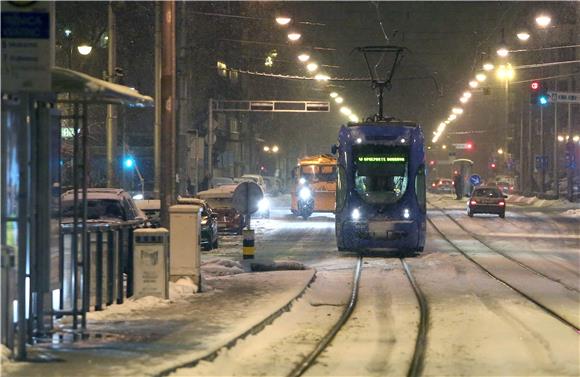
[150, 335]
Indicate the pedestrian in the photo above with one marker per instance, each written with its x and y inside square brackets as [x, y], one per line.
[205, 183]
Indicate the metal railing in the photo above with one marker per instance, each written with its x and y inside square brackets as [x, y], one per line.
[97, 275]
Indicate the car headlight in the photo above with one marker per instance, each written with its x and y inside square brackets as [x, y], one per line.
[406, 213]
[263, 205]
[305, 193]
[138, 197]
[203, 221]
[302, 181]
[355, 214]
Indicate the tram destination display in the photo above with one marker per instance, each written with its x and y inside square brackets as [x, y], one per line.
[373, 164]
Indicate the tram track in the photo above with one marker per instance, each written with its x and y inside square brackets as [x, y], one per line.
[543, 307]
[417, 361]
[507, 256]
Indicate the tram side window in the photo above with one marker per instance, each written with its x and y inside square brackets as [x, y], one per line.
[340, 189]
[420, 188]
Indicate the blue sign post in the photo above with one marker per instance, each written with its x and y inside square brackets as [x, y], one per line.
[475, 180]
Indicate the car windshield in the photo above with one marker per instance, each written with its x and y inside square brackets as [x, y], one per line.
[318, 173]
[381, 174]
[487, 193]
[96, 209]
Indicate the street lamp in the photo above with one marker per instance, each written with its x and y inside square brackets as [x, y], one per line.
[275, 149]
[473, 84]
[339, 100]
[502, 52]
[505, 72]
[463, 99]
[311, 67]
[283, 20]
[543, 20]
[294, 36]
[266, 148]
[480, 77]
[488, 67]
[321, 77]
[523, 36]
[457, 110]
[353, 118]
[303, 57]
[452, 117]
[345, 110]
[84, 49]
[333, 95]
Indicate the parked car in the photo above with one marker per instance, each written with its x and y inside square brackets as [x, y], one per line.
[152, 209]
[103, 205]
[273, 186]
[220, 200]
[486, 199]
[256, 178]
[209, 222]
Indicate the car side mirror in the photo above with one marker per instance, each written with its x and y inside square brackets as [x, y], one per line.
[334, 149]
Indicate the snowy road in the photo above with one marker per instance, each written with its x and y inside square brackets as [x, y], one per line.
[520, 317]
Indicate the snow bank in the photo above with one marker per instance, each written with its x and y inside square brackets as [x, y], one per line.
[6, 353]
[221, 267]
[572, 213]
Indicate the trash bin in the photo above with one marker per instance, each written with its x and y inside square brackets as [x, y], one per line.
[185, 243]
[151, 263]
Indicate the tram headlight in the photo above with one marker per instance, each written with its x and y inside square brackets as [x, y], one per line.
[302, 181]
[305, 193]
[355, 214]
[406, 213]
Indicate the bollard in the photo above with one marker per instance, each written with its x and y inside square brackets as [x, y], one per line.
[248, 244]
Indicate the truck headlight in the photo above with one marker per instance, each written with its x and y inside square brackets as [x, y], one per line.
[263, 205]
[355, 214]
[406, 213]
[305, 193]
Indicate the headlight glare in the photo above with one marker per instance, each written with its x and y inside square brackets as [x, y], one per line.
[355, 214]
[263, 205]
[302, 181]
[406, 213]
[305, 193]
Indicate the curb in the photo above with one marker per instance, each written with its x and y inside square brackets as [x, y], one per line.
[251, 331]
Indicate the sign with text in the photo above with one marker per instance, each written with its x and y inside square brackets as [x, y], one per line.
[27, 46]
[564, 97]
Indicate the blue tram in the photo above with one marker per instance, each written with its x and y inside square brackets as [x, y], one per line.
[381, 190]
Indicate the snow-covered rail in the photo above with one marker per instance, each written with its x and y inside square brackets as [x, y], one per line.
[308, 361]
[503, 281]
[507, 256]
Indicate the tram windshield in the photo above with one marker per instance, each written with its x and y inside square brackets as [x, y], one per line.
[318, 173]
[380, 173]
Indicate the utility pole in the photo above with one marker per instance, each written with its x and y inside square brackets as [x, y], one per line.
[210, 140]
[167, 184]
[530, 166]
[542, 152]
[521, 158]
[111, 122]
[555, 154]
[157, 122]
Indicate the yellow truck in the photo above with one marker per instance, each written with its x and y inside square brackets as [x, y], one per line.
[318, 174]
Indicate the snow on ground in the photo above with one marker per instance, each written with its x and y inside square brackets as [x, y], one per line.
[572, 212]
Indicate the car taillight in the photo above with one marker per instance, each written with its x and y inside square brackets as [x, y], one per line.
[501, 204]
[473, 202]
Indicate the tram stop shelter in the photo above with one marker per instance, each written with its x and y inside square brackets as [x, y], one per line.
[31, 181]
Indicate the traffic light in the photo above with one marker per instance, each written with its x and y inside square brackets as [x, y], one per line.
[129, 162]
[539, 93]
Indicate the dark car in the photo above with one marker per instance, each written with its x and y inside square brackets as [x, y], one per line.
[486, 200]
[442, 186]
[209, 222]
